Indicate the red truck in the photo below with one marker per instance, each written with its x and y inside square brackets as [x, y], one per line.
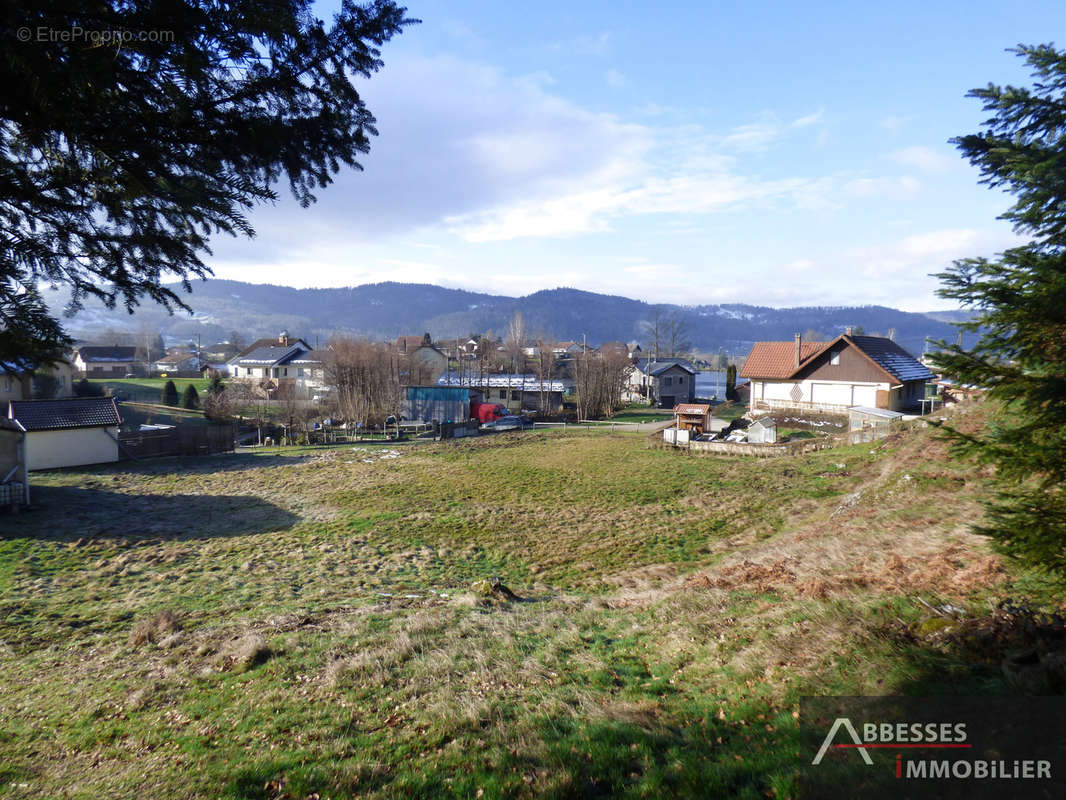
[486, 412]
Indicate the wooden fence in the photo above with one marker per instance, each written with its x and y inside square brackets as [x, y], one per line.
[182, 440]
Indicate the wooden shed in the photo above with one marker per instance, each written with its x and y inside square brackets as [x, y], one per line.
[694, 417]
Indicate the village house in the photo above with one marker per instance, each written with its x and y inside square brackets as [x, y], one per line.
[282, 367]
[425, 362]
[834, 376]
[662, 382]
[177, 360]
[69, 432]
[101, 361]
[24, 380]
[219, 352]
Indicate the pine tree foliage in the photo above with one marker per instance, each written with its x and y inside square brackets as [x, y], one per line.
[1019, 300]
[190, 398]
[170, 394]
[121, 157]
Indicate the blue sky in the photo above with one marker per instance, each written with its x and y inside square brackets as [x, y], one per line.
[775, 153]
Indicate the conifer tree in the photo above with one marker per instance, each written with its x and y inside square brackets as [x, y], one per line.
[1019, 304]
[170, 394]
[190, 398]
[123, 155]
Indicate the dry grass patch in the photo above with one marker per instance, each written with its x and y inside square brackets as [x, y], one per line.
[156, 629]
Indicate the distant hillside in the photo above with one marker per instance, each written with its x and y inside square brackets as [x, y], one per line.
[386, 310]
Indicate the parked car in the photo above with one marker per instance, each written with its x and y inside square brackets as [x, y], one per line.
[510, 422]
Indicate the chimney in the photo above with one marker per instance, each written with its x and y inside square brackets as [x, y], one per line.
[799, 342]
[283, 338]
[849, 331]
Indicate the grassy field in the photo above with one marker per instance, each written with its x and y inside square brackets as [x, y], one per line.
[148, 390]
[297, 622]
[642, 413]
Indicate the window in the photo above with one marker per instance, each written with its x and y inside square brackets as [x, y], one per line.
[503, 394]
[299, 372]
[666, 381]
[275, 372]
[285, 372]
[680, 380]
[516, 396]
[7, 384]
[834, 358]
[247, 370]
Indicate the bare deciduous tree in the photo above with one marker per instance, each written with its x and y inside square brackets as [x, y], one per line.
[365, 377]
[515, 341]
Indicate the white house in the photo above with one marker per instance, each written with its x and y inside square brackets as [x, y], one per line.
[280, 366]
[69, 432]
[834, 376]
[96, 361]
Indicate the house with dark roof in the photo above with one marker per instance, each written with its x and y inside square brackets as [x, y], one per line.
[99, 361]
[281, 367]
[663, 382]
[834, 376]
[69, 432]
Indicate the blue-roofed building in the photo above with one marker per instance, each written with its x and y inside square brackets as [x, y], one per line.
[849, 371]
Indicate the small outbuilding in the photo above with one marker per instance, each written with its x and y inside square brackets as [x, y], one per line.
[763, 430]
[438, 404]
[860, 417]
[14, 483]
[69, 432]
[694, 417]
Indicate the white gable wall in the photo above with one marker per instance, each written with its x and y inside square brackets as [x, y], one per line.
[71, 447]
[821, 395]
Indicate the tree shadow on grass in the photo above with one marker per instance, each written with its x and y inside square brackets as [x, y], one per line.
[219, 462]
[573, 759]
[67, 514]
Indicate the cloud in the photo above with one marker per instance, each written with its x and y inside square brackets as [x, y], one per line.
[925, 159]
[810, 119]
[615, 79]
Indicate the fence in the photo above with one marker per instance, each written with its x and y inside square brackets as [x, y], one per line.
[183, 440]
[766, 450]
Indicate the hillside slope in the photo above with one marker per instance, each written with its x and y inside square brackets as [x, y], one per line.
[386, 310]
[302, 621]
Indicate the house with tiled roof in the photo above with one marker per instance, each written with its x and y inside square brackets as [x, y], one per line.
[834, 376]
[69, 432]
[281, 367]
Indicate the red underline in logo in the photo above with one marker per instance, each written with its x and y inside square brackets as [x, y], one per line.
[898, 746]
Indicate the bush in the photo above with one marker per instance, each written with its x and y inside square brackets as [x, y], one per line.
[84, 388]
[170, 394]
[190, 399]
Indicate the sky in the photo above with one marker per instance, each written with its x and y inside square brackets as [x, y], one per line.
[781, 154]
